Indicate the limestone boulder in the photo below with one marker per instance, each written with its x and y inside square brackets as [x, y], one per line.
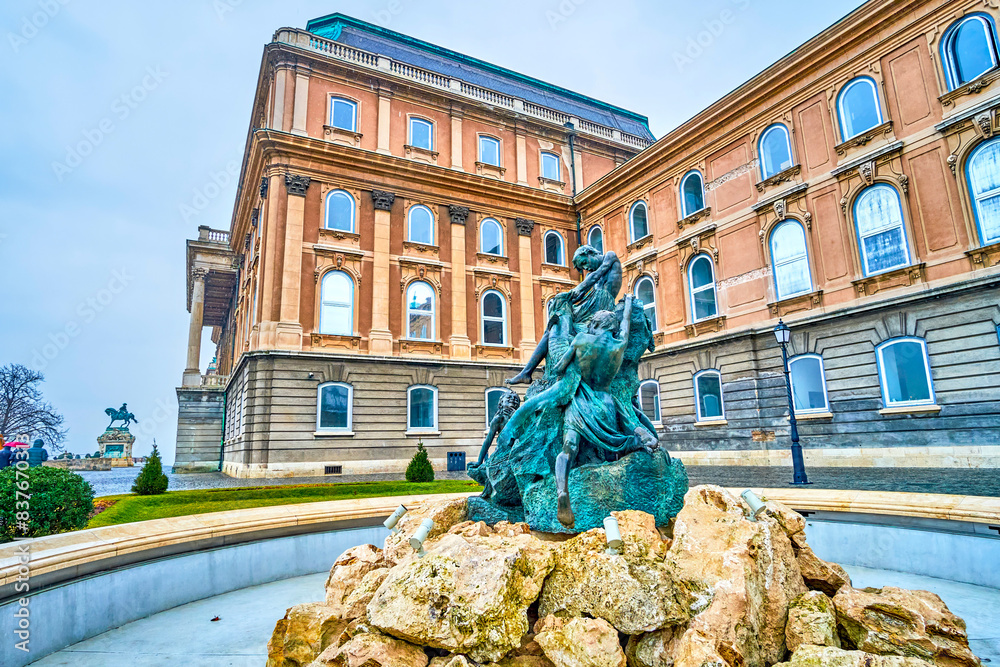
[467, 595]
[445, 513]
[812, 619]
[894, 621]
[790, 521]
[579, 642]
[634, 590]
[829, 656]
[450, 661]
[346, 576]
[304, 632]
[653, 649]
[372, 650]
[737, 578]
[818, 574]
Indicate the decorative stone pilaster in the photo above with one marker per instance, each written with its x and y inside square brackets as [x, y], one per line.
[382, 200]
[297, 185]
[459, 214]
[524, 226]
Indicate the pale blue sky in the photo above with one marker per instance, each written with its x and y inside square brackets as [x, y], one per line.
[159, 95]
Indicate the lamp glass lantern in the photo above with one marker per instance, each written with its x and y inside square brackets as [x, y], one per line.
[782, 333]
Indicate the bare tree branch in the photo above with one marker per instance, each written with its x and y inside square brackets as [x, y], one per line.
[23, 410]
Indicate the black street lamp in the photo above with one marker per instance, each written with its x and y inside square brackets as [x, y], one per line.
[783, 334]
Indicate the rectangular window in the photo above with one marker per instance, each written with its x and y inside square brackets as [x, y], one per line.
[422, 409]
[808, 384]
[421, 134]
[550, 166]
[905, 373]
[344, 114]
[489, 151]
[334, 407]
[708, 390]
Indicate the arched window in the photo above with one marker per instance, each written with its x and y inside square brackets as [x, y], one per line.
[555, 253]
[649, 400]
[336, 304]
[859, 107]
[420, 311]
[491, 237]
[344, 114]
[494, 318]
[550, 166]
[493, 396]
[789, 260]
[645, 293]
[420, 225]
[638, 221]
[708, 396]
[489, 150]
[969, 49]
[339, 211]
[701, 280]
[905, 372]
[421, 408]
[775, 151]
[878, 216]
[692, 193]
[421, 133]
[595, 239]
[334, 407]
[983, 173]
[808, 384]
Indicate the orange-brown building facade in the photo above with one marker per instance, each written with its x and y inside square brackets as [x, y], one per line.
[848, 190]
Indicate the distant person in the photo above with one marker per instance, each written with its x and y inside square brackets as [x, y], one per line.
[37, 453]
[6, 456]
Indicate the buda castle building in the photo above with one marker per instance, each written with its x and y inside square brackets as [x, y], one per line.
[405, 213]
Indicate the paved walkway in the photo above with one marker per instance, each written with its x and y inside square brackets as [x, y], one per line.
[959, 481]
[187, 636]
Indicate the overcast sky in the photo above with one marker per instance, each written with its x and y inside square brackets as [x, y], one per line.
[120, 119]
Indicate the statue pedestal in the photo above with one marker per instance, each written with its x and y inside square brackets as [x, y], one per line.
[116, 447]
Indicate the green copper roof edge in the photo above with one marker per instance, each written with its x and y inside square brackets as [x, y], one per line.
[336, 20]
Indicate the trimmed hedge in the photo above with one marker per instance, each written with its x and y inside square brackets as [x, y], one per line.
[57, 501]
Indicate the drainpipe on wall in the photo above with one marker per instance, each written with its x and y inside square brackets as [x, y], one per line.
[572, 174]
[222, 438]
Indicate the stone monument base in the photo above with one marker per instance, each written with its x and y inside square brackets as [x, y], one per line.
[651, 483]
[116, 447]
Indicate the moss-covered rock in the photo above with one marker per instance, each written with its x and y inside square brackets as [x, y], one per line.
[812, 619]
[829, 656]
[304, 632]
[579, 642]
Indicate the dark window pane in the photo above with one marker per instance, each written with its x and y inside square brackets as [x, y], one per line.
[693, 194]
[492, 403]
[333, 407]
[421, 408]
[597, 239]
[972, 50]
[492, 238]
[701, 272]
[492, 305]
[710, 396]
[649, 401]
[905, 373]
[640, 225]
[493, 332]
[807, 384]
[553, 248]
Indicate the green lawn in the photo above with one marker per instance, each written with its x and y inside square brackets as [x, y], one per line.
[131, 508]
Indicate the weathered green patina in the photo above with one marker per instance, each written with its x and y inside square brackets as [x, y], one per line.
[579, 447]
[121, 414]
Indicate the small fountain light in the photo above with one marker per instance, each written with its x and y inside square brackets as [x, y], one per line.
[756, 505]
[417, 541]
[613, 535]
[394, 518]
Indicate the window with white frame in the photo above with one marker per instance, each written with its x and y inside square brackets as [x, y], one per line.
[493, 396]
[808, 380]
[421, 408]
[491, 237]
[494, 318]
[701, 283]
[649, 400]
[336, 304]
[555, 251]
[789, 260]
[489, 150]
[638, 221]
[339, 211]
[334, 407]
[969, 49]
[421, 133]
[775, 151]
[905, 373]
[878, 218]
[595, 239]
[420, 311]
[420, 225]
[692, 193]
[708, 396]
[858, 107]
[644, 292]
[550, 166]
[344, 114]
[983, 174]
